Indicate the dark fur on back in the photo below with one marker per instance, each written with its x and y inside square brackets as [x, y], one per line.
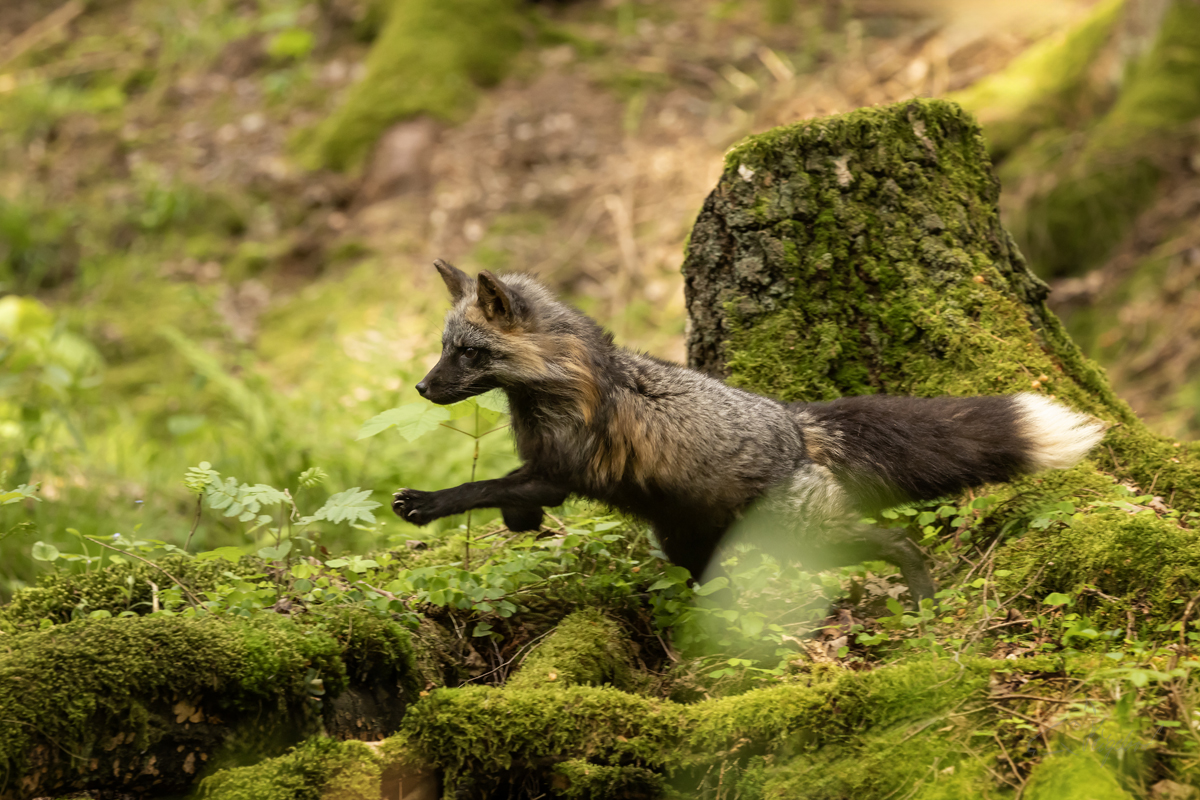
[690, 454]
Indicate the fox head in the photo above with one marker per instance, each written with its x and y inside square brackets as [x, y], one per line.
[506, 333]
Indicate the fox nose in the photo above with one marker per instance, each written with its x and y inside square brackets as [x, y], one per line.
[422, 388]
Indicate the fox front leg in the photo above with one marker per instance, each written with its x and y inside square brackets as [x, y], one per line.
[519, 495]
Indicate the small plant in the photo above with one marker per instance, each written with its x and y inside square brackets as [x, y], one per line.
[414, 420]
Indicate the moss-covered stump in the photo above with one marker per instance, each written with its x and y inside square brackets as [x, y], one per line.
[431, 57]
[864, 253]
[149, 704]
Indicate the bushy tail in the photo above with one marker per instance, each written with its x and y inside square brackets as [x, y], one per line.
[886, 450]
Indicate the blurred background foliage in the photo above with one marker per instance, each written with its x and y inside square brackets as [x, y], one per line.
[217, 216]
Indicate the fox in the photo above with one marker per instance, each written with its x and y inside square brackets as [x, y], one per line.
[691, 455]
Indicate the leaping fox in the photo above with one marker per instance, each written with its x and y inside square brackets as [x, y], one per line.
[690, 455]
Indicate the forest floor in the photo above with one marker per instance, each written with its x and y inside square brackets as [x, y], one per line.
[211, 303]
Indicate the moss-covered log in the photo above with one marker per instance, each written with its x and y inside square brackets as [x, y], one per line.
[149, 704]
[864, 253]
[1054, 84]
[585, 648]
[1085, 190]
[839, 734]
[431, 57]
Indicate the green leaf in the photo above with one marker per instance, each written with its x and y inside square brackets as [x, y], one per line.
[312, 476]
[44, 552]
[351, 505]
[752, 625]
[22, 492]
[495, 400]
[1058, 599]
[413, 421]
[716, 584]
[233, 554]
[275, 553]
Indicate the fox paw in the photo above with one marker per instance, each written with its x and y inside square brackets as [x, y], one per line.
[415, 506]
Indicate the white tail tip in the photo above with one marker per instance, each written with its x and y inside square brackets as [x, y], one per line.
[1058, 437]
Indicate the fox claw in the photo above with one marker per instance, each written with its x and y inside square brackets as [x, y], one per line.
[414, 506]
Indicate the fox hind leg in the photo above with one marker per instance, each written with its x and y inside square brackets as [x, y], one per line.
[821, 512]
[520, 519]
[895, 547]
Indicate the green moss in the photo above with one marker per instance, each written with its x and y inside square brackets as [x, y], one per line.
[62, 596]
[1047, 86]
[585, 736]
[320, 768]
[1138, 560]
[1078, 776]
[377, 651]
[585, 648]
[587, 781]
[76, 686]
[1097, 195]
[430, 58]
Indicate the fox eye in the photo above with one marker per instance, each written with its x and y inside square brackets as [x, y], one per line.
[470, 353]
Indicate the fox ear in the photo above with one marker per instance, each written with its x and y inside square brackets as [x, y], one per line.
[494, 299]
[456, 280]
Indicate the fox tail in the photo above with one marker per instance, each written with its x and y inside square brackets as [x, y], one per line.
[886, 450]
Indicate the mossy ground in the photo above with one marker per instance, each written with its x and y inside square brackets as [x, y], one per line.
[913, 727]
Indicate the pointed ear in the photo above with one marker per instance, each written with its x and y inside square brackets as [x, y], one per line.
[495, 300]
[456, 280]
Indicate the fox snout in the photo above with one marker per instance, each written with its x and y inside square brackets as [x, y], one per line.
[449, 382]
[435, 389]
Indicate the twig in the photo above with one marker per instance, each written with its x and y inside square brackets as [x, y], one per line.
[39, 30]
[1030, 697]
[195, 522]
[176, 581]
[1153, 482]
[516, 655]
[1004, 752]
[1187, 612]
[381, 592]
